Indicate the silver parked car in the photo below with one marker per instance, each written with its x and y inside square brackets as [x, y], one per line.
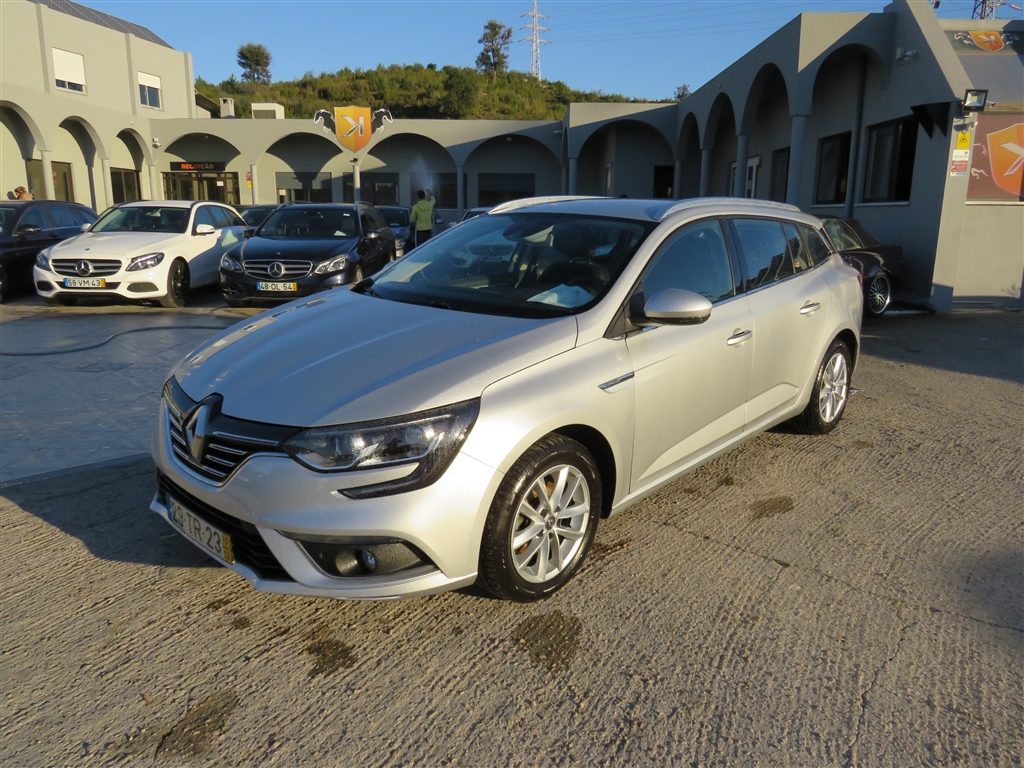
[472, 411]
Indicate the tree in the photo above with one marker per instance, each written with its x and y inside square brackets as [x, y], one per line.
[254, 59]
[460, 92]
[683, 92]
[493, 59]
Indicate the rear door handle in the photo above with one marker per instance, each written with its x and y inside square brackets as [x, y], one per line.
[739, 338]
[806, 309]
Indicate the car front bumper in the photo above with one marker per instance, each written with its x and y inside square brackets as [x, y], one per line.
[239, 286]
[144, 284]
[280, 501]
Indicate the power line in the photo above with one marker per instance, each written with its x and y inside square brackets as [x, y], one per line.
[534, 39]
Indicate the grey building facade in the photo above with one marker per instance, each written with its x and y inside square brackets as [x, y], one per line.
[849, 114]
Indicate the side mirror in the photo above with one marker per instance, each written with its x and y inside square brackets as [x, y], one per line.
[84, 228]
[204, 229]
[674, 306]
[28, 229]
[249, 232]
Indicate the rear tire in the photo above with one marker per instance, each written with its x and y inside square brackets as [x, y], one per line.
[830, 394]
[542, 521]
[178, 286]
[877, 295]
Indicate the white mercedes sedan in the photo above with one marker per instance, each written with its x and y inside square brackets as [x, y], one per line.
[470, 413]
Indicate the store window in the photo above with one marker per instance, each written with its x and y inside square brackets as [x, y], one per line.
[149, 90]
[63, 183]
[890, 161]
[833, 164]
[125, 185]
[497, 188]
[69, 70]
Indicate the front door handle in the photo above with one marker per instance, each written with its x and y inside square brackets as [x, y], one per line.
[806, 309]
[739, 338]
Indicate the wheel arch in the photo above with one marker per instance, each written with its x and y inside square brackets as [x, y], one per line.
[601, 449]
[849, 338]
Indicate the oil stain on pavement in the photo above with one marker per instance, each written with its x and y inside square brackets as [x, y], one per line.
[196, 732]
[329, 654]
[777, 505]
[551, 640]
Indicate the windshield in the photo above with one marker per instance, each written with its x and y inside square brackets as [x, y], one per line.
[143, 219]
[517, 264]
[7, 217]
[395, 217]
[312, 223]
[255, 216]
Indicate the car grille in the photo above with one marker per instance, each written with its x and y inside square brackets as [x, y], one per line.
[247, 545]
[100, 267]
[228, 442]
[292, 269]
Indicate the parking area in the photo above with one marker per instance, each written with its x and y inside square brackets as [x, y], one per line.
[854, 599]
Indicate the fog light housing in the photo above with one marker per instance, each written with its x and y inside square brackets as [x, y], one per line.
[348, 557]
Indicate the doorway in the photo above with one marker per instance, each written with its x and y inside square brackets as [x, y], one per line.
[219, 187]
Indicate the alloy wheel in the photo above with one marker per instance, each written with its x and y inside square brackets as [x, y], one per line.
[879, 294]
[834, 389]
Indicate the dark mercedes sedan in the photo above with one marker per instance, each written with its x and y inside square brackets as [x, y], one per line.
[881, 266]
[302, 248]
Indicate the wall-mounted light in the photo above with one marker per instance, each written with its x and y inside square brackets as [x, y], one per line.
[902, 55]
[557, 132]
[974, 100]
[156, 142]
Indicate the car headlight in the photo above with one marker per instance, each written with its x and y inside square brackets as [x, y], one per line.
[229, 265]
[43, 259]
[333, 265]
[428, 440]
[146, 261]
[400, 243]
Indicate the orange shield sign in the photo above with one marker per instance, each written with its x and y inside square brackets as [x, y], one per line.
[989, 41]
[353, 127]
[1006, 153]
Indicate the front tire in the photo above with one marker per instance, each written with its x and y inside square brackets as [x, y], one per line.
[878, 295]
[542, 521]
[831, 392]
[178, 286]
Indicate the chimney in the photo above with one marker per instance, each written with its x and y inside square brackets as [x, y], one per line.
[227, 107]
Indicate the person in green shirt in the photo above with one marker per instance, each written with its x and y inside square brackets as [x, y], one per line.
[422, 216]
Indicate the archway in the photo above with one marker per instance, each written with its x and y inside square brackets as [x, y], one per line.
[127, 166]
[198, 166]
[19, 142]
[766, 119]
[76, 153]
[303, 166]
[626, 157]
[510, 167]
[399, 165]
[720, 139]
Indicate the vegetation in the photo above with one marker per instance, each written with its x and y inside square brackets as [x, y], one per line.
[683, 92]
[413, 91]
[493, 59]
[254, 59]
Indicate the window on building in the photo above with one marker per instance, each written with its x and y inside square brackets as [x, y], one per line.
[124, 185]
[664, 177]
[69, 70]
[890, 161]
[497, 188]
[149, 90]
[379, 188]
[780, 174]
[63, 184]
[309, 187]
[445, 187]
[833, 164]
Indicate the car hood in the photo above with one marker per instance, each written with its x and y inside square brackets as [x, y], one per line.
[125, 244]
[307, 250]
[346, 357]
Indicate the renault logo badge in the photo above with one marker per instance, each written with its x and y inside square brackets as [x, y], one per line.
[276, 269]
[83, 268]
[195, 431]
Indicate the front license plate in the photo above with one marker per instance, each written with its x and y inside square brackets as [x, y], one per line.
[278, 287]
[210, 538]
[84, 282]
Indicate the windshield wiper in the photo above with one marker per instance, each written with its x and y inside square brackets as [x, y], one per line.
[364, 286]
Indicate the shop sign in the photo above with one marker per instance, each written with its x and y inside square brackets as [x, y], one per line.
[353, 126]
[997, 167]
[198, 166]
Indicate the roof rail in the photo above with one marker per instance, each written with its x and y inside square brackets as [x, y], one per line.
[523, 202]
[698, 202]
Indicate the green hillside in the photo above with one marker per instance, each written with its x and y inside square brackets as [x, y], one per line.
[414, 91]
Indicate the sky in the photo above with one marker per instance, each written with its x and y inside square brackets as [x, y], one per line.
[639, 48]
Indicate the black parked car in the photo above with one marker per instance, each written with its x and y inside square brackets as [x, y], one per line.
[398, 221]
[254, 215]
[880, 265]
[26, 227]
[302, 248]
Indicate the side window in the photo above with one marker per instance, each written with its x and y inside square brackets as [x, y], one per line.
[797, 250]
[695, 259]
[378, 220]
[34, 217]
[63, 216]
[365, 223]
[816, 246]
[220, 216]
[203, 217]
[764, 250]
[83, 216]
[234, 218]
[841, 235]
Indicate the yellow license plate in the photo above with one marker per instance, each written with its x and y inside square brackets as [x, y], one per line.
[277, 287]
[84, 282]
[207, 536]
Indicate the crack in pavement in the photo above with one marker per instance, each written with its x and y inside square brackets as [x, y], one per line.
[850, 759]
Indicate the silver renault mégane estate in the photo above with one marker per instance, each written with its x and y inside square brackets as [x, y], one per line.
[472, 411]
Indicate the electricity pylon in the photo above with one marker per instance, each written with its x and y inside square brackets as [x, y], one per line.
[534, 39]
[986, 9]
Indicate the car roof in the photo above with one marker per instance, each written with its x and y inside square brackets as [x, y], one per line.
[651, 210]
[17, 203]
[393, 208]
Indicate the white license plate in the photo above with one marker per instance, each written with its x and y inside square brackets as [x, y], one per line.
[208, 537]
[279, 287]
[84, 282]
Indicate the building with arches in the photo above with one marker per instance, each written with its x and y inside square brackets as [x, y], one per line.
[848, 114]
